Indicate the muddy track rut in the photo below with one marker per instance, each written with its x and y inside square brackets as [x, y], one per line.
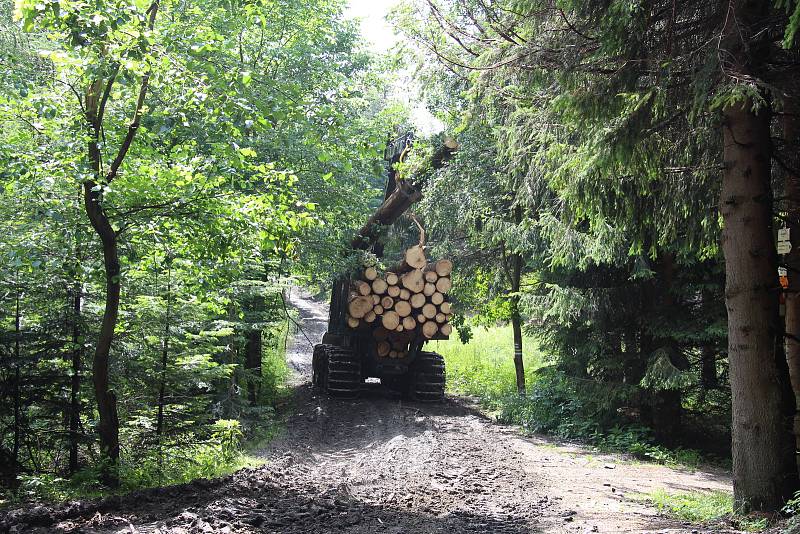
[387, 466]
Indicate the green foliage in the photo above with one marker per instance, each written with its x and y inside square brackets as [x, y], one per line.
[554, 404]
[707, 508]
[793, 8]
[175, 463]
[697, 507]
[483, 366]
[792, 506]
[257, 154]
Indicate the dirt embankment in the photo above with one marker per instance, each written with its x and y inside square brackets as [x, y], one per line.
[383, 465]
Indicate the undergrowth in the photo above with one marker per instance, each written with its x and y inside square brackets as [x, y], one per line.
[705, 508]
[554, 404]
[173, 463]
[217, 450]
[484, 367]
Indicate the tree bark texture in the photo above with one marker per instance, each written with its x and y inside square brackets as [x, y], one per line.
[764, 469]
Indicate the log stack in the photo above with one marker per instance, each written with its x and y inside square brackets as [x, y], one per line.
[406, 301]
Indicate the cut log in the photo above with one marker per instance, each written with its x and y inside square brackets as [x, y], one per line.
[379, 286]
[437, 298]
[352, 322]
[415, 258]
[392, 279]
[431, 276]
[443, 267]
[399, 328]
[445, 307]
[403, 308]
[417, 300]
[378, 309]
[429, 289]
[390, 320]
[429, 311]
[393, 354]
[446, 329]
[376, 299]
[387, 303]
[429, 329]
[440, 317]
[359, 306]
[443, 284]
[409, 323]
[370, 316]
[421, 318]
[380, 333]
[361, 287]
[401, 194]
[370, 273]
[393, 206]
[405, 294]
[383, 348]
[413, 281]
[393, 291]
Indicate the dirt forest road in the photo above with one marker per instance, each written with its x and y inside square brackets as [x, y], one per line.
[386, 466]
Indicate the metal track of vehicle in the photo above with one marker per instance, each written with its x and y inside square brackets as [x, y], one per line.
[428, 377]
[343, 377]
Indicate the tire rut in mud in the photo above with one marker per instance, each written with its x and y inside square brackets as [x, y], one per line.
[374, 465]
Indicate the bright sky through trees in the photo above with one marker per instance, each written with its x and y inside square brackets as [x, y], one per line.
[374, 27]
[381, 38]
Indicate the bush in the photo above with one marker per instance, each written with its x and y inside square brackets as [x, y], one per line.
[555, 404]
[484, 366]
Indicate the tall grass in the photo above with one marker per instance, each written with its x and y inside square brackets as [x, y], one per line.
[484, 367]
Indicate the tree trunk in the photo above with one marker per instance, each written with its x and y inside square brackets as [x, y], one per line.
[708, 356]
[513, 267]
[516, 326]
[17, 364]
[162, 386]
[516, 321]
[75, 379]
[708, 367]
[108, 424]
[253, 349]
[764, 468]
[667, 407]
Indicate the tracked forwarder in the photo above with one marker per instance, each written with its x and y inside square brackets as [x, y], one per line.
[379, 322]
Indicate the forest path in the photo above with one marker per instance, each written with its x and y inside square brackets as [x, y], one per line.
[387, 466]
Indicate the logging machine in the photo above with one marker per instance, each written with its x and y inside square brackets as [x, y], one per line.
[378, 324]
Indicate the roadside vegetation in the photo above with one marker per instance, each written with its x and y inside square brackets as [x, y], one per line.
[623, 192]
[711, 509]
[481, 368]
